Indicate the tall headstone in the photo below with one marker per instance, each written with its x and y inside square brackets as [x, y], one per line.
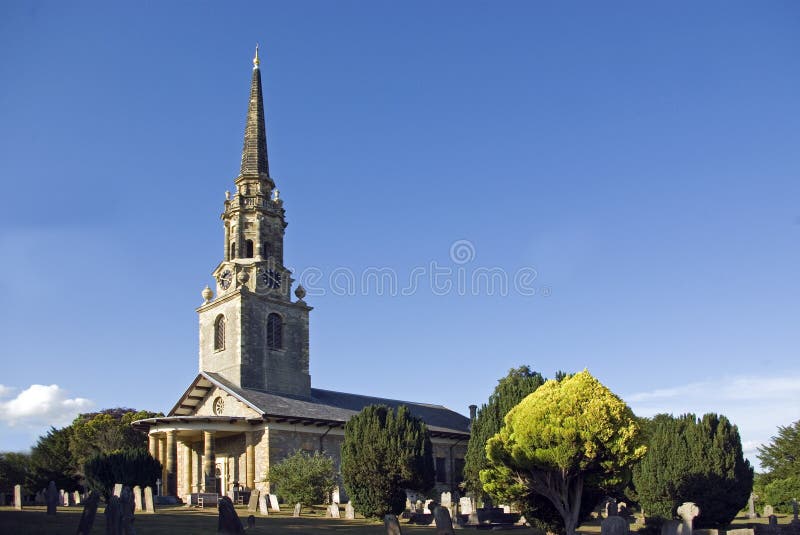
[252, 504]
[768, 510]
[349, 511]
[228, 522]
[262, 505]
[447, 499]
[251, 522]
[51, 498]
[273, 503]
[127, 507]
[117, 489]
[444, 524]
[614, 525]
[334, 510]
[688, 511]
[296, 511]
[465, 504]
[113, 516]
[18, 498]
[137, 497]
[148, 500]
[88, 514]
[751, 506]
[76, 498]
[392, 525]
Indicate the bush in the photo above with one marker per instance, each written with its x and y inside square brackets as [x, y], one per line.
[304, 478]
[130, 467]
[780, 493]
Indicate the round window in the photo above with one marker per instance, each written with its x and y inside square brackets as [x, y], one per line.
[219, 406]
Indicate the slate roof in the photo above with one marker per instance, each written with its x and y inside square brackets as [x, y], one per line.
[332, 407]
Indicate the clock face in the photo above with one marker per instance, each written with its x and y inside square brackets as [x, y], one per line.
[270, 278]
[225, 279]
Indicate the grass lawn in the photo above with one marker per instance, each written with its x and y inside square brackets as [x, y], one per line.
[181, 520]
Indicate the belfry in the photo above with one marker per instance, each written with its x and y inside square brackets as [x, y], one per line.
[251, 403]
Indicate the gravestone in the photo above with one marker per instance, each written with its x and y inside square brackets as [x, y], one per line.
[465, 505]
[688, 511]
[335, 495]
[773, 520]
[349, 511]
[251, 522]
[88, 514]
[751, 506]
[18, 498]
[113, 516]
[273, 503]
[39, 499]
[444, 524]
[76, 498]
[622, 509]
[126, 506]
[334, 510]
[447, 499]
[768, 510]
[427, 508]
[506, 509]
[296, 511]
[611, 507]
[228, 522]
[252, 505]
[392, 525]
[148, 500]
[137, 497]
[51, 498]
[614, 525]
[262, 505]
[117, 489]
[670, 527]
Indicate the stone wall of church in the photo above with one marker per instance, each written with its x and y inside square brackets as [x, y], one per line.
[226, 361]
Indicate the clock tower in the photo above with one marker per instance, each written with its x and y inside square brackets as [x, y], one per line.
[251, 332]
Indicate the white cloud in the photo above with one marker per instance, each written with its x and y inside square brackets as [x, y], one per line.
[6, 391]
[41, 405]
[757, 405]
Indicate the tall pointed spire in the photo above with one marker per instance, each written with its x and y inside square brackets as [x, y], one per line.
[254, 152]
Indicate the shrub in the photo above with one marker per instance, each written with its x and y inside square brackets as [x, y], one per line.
[303, 477]
[129, 467]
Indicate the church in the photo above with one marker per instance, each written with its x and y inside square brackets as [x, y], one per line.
[252, 403]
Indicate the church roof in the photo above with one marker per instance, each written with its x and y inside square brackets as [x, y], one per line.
[323, 407]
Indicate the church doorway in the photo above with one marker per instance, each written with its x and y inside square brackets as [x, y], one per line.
[219, 474]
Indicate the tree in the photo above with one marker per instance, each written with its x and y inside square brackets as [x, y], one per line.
[384, 452]
[781, 457]
[14, 470]
[565, 434]
[51, 460]
[106, 432]
[780, 493]
[697, 460]
[303, 477]
[129, 467]
[510, 390]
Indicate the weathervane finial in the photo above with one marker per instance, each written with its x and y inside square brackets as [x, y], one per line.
[255, 59]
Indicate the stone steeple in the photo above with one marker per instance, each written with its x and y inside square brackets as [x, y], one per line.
[254, 153]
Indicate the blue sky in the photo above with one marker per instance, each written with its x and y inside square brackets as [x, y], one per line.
[638, 161]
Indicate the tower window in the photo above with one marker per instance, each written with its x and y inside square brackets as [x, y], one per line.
[233, 251]
[274, 331]
[219, 332]
[249, 245]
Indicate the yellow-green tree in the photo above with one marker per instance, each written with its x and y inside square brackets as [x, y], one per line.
[562, 436]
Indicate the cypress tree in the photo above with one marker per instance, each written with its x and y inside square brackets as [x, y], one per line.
[385, 452]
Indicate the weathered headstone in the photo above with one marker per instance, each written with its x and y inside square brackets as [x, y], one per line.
[614, 525]
[148, 500]
[427, 508]
[392, 525]
[444, 524]
[273, 503]
[252, 505]
[335, 495]
[251, 522]
[88, 514]
[296, 511]
[113, 516]
[127, 506]
[751, 506]
[349, 511]
[228, 522]
[670, 527]
[768, 510]
[117, 489]
[688, 511]
[76, 498]
[334, 510]
[51, 498]
[465, 504]
[137, 497]
[506, 509]
[18, 498]
[262, 505]
[622, 509]
[447, 499]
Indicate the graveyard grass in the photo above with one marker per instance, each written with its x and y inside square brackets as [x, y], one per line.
[175, 520]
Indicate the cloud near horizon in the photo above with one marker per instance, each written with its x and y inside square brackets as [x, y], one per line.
[756, 404]
[40, 406]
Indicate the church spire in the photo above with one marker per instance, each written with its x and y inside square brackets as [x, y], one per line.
[254, 152]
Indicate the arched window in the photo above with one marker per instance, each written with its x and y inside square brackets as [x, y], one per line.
[219, 332]
[249, 248]
[233, 251]
[274, 331]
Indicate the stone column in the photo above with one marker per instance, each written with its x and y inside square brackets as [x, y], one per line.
[209, 462]
[162, 457]
[187, 467]
[152, 446]
[250, 462]
[171, 481]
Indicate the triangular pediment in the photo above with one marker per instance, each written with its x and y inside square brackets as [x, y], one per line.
[206, 397]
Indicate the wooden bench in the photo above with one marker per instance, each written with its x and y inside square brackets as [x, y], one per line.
[207, 498]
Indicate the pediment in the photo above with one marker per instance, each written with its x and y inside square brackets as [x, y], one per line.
[204, 398]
